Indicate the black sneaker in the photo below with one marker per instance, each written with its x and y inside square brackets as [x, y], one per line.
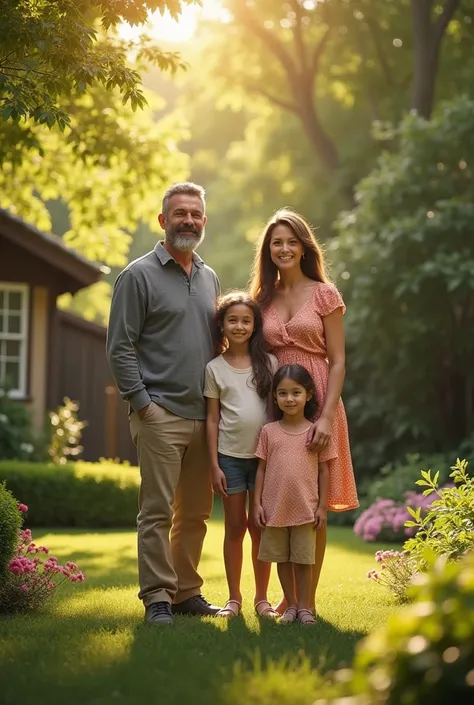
[196, 606]
[159, 613]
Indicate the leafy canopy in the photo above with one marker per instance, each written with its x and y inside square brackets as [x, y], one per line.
[49, 50]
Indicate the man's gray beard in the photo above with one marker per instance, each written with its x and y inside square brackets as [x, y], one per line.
[185, 243]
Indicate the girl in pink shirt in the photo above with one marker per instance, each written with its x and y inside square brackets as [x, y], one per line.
[291, 490]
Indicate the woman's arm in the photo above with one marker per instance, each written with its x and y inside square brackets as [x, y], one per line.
[334, 333]
[219, 482]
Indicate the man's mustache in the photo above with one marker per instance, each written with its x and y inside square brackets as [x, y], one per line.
[187, 229]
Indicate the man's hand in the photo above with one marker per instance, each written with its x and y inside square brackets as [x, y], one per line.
[259, 516]
[320, 518]
[142, 412]
[219, 482]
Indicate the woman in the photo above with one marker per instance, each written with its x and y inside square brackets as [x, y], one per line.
[303, 324]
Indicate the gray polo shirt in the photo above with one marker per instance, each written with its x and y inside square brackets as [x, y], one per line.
[159, 338]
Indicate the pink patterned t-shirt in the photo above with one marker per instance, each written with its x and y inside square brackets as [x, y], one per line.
[290, 489]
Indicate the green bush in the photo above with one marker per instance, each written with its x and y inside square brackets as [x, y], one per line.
[425, 653]
[16, 433]
[447, 527]
[92, 495]
[10, 523]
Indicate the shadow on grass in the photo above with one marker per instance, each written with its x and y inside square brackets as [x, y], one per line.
[104, 659]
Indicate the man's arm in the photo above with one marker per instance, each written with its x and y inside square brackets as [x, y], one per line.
[127, 316]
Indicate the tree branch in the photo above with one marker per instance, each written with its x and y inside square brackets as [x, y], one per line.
[298, 36]
[248, 18]
[386, 68]
[285, 105]
[439, 28]
[319, 50]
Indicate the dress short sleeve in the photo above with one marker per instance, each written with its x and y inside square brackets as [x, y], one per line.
[327, 299]
[211, 388]
[262, 445]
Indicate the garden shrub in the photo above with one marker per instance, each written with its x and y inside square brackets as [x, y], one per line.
[91, 495]
[32, 578]
[447, 527]
[425, 653]
[444, 528]
[16, 431]
[66, 432]
[386, 519]
[10, 523]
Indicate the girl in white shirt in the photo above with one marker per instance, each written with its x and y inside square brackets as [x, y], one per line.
[238, 390]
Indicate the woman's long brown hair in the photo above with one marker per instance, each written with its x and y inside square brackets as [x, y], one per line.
[265, 273]
[261, 364]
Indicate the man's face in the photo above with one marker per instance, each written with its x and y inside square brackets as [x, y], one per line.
[184, 222]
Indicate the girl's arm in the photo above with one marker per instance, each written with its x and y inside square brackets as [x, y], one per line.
[334, 332]
[219, 483]
[320, 515]
[258, 509]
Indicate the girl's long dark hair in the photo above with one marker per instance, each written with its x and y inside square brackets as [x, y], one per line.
[265, 272]
[297, 373]
[262, 370]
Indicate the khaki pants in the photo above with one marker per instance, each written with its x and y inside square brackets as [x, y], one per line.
[175, 502]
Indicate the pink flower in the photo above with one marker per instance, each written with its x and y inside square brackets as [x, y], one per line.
[22, 508]
[71, 565]
[25, 588]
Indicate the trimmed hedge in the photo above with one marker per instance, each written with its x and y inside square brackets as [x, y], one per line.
[10, 524]
[89, 495]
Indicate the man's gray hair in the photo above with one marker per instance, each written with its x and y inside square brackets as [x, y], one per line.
[186, 187]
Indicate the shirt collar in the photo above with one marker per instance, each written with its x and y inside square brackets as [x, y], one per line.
[164, 256]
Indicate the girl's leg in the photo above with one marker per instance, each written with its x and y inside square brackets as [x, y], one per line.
[261, 570]
[303, 575]
[235, 519]
[321, 541]
[287, 582]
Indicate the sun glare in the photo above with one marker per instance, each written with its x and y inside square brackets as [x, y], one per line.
[164, 27]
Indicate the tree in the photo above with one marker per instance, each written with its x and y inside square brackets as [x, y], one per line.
[405, 258]
[49, 50]
[430, 23]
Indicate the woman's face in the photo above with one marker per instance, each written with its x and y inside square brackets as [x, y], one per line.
[286, 250]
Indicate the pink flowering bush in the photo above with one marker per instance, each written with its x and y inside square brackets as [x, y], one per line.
[33, 575]
[385, 519]
[395, 571]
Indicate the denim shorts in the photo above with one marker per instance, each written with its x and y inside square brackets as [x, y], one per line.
[239, 472]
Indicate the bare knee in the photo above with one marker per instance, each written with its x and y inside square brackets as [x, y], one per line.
[235, 528]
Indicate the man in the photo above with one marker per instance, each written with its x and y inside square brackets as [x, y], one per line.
[158, 344]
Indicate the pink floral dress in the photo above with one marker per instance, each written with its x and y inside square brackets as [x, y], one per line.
[302, 341]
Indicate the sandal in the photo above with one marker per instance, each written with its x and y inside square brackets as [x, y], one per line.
[289, 615]
[264, 609]
[231, 609]
[306, 617]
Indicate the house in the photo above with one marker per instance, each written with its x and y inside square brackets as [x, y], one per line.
[47, 354]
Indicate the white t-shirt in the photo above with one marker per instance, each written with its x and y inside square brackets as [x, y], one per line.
[242, 411]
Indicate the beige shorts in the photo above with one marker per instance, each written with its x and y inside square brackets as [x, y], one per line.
[283, 544]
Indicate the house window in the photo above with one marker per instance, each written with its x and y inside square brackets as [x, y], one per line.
[13, 337]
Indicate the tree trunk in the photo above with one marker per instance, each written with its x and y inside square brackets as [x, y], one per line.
[427, 38]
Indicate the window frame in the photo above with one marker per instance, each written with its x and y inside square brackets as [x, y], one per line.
[22, 336]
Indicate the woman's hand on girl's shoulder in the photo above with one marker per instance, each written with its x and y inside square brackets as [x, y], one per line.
[319, 434]
[219, 482]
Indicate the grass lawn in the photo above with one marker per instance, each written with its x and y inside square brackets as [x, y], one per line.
[90, 646]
